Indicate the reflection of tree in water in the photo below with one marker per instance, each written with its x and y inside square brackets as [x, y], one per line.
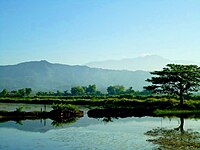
[55, 122]
[58, 123]
[61, 114]
[19, 122]
[108, 119]
[180, 127]
[174, 139]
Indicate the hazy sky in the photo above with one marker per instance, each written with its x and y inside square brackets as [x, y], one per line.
[80, 31]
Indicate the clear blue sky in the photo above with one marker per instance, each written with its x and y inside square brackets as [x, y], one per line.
[80, 31]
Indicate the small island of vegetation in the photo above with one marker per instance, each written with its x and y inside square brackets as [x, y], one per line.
[61, 114]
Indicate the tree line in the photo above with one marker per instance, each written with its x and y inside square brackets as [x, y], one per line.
[74, 91]
[16, 93]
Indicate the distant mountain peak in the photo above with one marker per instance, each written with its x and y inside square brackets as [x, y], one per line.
[146, 63]
[35, 62]
[151, 56]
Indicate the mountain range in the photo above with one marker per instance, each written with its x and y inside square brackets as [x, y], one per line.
[146, 63]
[43, 75]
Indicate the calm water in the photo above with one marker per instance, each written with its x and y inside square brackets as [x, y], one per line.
[85, 133]
[26, 107]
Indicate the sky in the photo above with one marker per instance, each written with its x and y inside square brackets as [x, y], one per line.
[81, 31]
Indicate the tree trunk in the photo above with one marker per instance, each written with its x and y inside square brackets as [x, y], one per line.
[181, 100]
[181, 95]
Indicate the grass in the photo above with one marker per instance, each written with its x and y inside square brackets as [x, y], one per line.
[64, 107]
[160, 106]
[175, 112]
[19, 109]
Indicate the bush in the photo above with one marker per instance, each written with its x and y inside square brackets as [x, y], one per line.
[128, 96]
[63, 107]
[19, 109]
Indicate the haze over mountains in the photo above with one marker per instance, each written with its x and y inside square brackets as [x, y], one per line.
[146, 63]
[42, 75]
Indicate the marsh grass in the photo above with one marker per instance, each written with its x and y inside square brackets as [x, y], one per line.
[171, 139]
[153, 103]
[175, 112]
[19, 109]
[64, 107]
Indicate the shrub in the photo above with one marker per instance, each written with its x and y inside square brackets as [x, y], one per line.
[19, 109]
[63, 107]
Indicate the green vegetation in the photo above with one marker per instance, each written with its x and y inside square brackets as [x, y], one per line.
[16, 93]
[19, 109]
[115, 90]
[176, 80]
[64, 107]
[75, 91]
[177, 112]
[4, 93]
[61, 114]
[172, 139]
[63, 122]
[120, 90]
[80, 91]
[150, 102]
[108, 101]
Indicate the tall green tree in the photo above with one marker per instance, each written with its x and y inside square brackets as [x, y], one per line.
[28, 91]
[78, 90]
[49, 93]
[115, 90]
[22, 92]
[58, 93]
[66, 93]
[130, 91]
[176, 79]
[14, 93]
[4, 93]
[91, 89]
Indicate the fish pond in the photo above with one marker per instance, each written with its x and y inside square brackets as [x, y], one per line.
[110, 133]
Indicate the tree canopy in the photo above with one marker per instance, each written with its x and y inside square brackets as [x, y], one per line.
[4, 93]
[176, 79]
[77, 90]
[114, 90]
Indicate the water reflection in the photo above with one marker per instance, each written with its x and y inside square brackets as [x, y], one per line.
[175, 138]
[26, 107]
[94, 133]
[43, 122]
[38, 119]
[165, 138]
[108, 119]
[180, 127]
[119, 112]
[115, 129]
